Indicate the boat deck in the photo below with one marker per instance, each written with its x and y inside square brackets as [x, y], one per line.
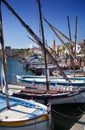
[19, 109]
[17, 112]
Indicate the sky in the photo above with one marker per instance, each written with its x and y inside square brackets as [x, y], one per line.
[55, 11]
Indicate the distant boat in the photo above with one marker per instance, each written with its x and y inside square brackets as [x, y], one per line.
[40, 69]
[33, 79]
[32, 61]
[70, 73]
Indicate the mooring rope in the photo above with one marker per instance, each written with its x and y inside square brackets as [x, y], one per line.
[64, 115]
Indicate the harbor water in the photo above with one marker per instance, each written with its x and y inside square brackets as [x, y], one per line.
[61, 118]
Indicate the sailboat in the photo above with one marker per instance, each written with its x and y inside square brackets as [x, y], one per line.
[22, 114]
[16, 113]
[53, 80]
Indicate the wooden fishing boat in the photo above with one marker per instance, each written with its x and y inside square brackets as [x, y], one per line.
[56, 95]
[33, 79]
[22, 114]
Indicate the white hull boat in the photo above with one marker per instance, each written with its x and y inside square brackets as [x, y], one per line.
[22, 114]
[33, 79]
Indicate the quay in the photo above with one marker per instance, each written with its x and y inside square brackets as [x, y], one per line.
[80, 125]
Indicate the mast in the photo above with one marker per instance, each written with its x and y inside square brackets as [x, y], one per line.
[39, 42]
[71, 49]
[75, 36]
[54, 28]
[69, 27]
[43, 41]
[3, 56]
